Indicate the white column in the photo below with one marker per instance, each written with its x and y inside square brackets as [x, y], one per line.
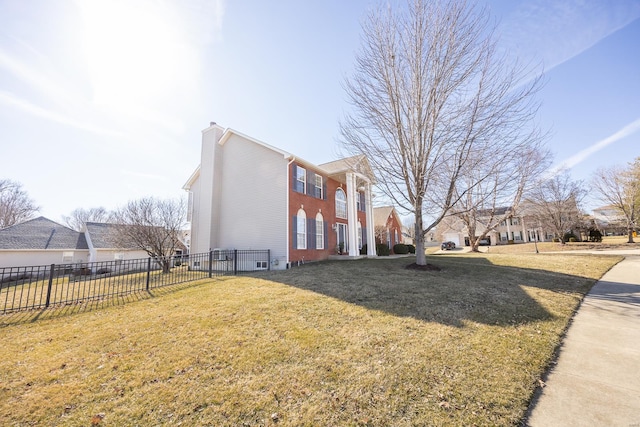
[371, 232]
[352, 214]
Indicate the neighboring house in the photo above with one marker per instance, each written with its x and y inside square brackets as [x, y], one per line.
[247, 194]
[517, 228]
[41, 241]
[103, 245]
[388, 226]
[609, 220]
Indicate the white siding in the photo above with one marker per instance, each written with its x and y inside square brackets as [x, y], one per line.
[24, 258]
[252, 204]
[205, 191]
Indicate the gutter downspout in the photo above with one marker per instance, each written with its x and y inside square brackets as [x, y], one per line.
[288, 225]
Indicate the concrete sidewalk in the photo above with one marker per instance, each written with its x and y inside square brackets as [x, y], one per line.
[596, 379]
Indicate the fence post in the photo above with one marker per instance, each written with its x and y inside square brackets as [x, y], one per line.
[210, 264]
[51, 271]
[148, 271]
[235, 262]
[268, 259]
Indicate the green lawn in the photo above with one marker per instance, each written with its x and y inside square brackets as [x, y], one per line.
[363, 342]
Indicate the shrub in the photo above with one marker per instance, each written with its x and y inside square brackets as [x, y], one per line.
[400, 249]
[412, 249]
[363, 249]
[595, 235]
[555, 240]
[572, 239]
[382, 249]
[569, 236]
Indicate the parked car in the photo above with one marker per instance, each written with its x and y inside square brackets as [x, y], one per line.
[484, 242]
[447, 246]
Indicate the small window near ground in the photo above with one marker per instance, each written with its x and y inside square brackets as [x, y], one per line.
[67, 257]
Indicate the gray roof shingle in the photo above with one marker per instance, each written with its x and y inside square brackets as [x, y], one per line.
[41, 233]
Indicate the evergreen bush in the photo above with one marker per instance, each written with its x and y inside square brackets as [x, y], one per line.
[382, 249]
[400, 249]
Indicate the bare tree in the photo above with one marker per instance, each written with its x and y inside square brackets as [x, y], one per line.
[620, 187]
[555, 203]
[432, 100]
[15, 204]
[513, 172]
[79, 217]
[152, 225]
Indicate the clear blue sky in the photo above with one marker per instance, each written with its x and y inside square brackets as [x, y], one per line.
[102, 102]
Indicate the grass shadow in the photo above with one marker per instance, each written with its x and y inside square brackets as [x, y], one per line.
[467, 288]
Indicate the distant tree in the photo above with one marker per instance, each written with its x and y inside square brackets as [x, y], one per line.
[79, 217]
[152, 225]
[554, 203]
[434, 100]
[620, 188]
[500, 183]
[15, 204]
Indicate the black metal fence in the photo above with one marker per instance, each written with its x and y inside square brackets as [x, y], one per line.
[33, 287]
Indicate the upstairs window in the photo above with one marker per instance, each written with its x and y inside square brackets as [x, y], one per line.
[301, 179]
[341, 203]
[318, 187]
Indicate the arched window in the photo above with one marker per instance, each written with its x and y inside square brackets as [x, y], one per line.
[301, 230]
[319, 231]
[341, 203]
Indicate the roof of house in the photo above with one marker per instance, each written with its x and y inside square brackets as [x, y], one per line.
[41, 233]
[382, 213]
[358, 163]
[102, 235]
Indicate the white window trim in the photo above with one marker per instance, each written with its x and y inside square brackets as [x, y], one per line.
[302, 175]
[319, 232]
[342, 211]
[319, 188]
[301, 232]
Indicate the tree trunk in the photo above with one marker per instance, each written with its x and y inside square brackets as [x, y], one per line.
[421, 258]
[166, 265]
[630, 233]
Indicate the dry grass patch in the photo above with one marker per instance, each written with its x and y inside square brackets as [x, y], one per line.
[337, 343]
[613, 242]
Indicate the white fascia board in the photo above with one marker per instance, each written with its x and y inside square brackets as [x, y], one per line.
[192, 179]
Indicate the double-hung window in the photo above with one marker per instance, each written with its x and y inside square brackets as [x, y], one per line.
[318, 187]
[301, 230]
[341, 203]
[301, 179]
[319, 231]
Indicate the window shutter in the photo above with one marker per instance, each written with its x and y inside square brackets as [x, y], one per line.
[324, 189]
[295, 232]
[326, 234]
[294, 177]
[311, 233]
[311, 183]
